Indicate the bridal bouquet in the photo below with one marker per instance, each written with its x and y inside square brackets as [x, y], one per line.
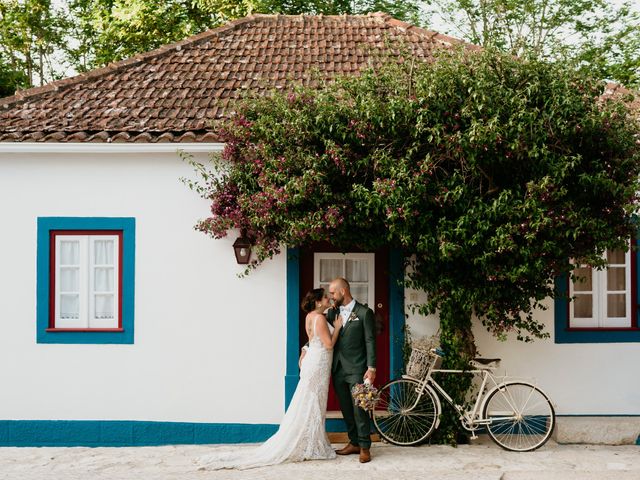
[365, 396]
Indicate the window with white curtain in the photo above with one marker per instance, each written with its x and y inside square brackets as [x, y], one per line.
[86, 279]
[357, 268]
[602, 298]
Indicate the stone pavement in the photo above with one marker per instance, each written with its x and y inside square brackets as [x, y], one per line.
[480, 461]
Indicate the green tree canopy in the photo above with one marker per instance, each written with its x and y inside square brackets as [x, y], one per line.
[46, 40]
[110, 30]
[10, 79]
[603, 36]
[406, 10]
[31, 35]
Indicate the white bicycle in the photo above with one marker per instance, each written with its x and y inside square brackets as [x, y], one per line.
[517, 415]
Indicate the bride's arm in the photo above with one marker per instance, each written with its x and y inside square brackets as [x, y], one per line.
[322, 330]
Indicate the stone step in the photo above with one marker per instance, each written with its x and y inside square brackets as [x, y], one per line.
[342, 437]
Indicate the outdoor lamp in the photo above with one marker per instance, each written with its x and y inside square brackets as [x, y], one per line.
[242, 249]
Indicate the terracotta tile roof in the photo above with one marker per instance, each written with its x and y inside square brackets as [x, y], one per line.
[632, 98]
[174, 94]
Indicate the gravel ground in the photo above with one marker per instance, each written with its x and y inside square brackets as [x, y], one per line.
[481, 461]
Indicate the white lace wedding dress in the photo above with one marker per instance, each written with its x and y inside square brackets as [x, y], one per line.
[302, 434]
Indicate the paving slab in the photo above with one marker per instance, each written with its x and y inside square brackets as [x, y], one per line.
[480, 461]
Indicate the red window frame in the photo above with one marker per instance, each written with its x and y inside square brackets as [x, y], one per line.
[52, 278]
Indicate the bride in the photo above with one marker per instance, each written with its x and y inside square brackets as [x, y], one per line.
[302, 434]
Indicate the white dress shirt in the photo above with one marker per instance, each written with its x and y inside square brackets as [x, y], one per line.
[345, 310]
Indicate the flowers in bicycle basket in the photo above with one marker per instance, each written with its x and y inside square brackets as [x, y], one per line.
[365, 395]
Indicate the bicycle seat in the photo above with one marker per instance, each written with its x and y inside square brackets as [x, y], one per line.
[485, 362]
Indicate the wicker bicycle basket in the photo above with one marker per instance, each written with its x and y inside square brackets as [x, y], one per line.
[420, 362]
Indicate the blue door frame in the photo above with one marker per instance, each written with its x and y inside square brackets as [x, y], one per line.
[396, 324]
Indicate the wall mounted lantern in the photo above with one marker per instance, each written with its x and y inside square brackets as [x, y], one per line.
[242, 249]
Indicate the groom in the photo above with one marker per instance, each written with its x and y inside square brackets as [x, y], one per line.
[354, 360]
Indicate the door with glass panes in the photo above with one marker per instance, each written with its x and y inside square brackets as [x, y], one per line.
[367, 273]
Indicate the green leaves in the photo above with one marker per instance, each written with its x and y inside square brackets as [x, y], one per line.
[601, 36]
[490, 201]
[30, 33]
[489, 171]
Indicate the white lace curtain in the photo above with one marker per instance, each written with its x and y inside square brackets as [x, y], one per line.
[354, 270]
[102, 288]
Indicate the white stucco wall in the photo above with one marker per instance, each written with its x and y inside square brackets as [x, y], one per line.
[204, 339]
[581, 378]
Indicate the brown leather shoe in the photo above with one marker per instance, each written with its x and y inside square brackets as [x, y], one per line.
[348, 450]
[365, 455]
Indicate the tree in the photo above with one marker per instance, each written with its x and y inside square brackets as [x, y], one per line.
[110, 30]
[31, 32]
[489, 171]
[603, 35]
[406, 10]
[10, 79]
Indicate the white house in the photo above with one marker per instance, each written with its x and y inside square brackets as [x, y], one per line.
[125, 326]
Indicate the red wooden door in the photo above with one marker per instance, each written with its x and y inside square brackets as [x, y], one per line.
[380, 307]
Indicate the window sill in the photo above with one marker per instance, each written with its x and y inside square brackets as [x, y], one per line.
[84, 330]
[602, 329]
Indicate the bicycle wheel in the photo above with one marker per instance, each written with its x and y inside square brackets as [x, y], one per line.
[522, 417]
[394, 418]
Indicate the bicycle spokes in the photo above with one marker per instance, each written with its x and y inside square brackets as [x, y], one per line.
[403, 416]
[520, 416]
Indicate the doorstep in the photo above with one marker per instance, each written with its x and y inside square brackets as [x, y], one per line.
[342, 437]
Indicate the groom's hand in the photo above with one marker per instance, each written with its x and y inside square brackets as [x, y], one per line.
[370, 374]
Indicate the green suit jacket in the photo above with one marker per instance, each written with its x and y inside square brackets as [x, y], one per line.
[355, 349]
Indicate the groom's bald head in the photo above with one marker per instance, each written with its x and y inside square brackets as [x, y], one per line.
[340, 291]
[342, 283]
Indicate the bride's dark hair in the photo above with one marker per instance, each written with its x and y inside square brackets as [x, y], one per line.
[309, 301]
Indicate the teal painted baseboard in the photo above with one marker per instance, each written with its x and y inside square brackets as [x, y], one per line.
[102, 433]
[335, 425]
[114, 433]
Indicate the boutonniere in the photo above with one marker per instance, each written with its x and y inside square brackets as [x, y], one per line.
[352, 317]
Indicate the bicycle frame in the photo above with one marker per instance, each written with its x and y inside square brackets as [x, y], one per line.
[515, 413]
[470, 419]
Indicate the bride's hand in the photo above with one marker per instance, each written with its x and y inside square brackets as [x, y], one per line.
[338, 322]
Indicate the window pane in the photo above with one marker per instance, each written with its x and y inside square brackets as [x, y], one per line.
[103, 306]
[69, 306]
[330, 269]
[357, 270]
[360, 293]
[69, 279]
[616, 278]
[616, 256]
[103, 252]
[103, 279]
[69, 252]
[583, 306]
[583, 282]
[616, 305]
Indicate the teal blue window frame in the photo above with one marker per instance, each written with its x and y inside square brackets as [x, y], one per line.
[47, 224]
[564, 334]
